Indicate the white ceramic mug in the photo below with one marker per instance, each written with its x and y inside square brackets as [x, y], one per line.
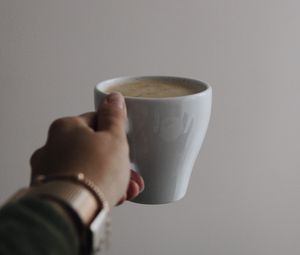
[164, 135]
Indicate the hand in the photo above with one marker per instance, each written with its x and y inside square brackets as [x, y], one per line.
[96, 145]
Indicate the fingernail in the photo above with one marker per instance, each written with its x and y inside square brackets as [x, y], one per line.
[115, 99]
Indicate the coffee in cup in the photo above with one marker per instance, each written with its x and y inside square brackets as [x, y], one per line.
[154, 89]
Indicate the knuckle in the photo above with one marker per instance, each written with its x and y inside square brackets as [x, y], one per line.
[57, 124]
[63, 124]
[35, 157]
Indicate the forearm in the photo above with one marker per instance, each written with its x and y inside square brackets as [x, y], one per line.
[37, 226]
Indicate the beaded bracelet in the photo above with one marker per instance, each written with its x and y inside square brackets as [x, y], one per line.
[80, 179]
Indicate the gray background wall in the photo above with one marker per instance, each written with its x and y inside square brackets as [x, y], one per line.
[245, 190]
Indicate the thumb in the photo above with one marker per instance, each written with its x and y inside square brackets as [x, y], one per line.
[111, 115]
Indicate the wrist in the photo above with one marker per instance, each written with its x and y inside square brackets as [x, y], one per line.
[69, 195]
[78, 206]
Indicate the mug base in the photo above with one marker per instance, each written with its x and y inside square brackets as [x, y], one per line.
[148, 201]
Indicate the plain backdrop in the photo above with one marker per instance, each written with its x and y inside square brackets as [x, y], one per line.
[244, 193]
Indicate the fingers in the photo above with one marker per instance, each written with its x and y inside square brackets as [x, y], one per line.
[111, 115]
[66, 124]
[134, 176]
[135, 187]
[133, 190]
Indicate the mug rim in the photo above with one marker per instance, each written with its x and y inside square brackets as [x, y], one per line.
[207, 88]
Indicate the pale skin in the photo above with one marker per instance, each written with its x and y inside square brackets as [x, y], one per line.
[95, 144]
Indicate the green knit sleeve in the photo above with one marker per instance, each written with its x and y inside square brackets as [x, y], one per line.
[31, 226]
